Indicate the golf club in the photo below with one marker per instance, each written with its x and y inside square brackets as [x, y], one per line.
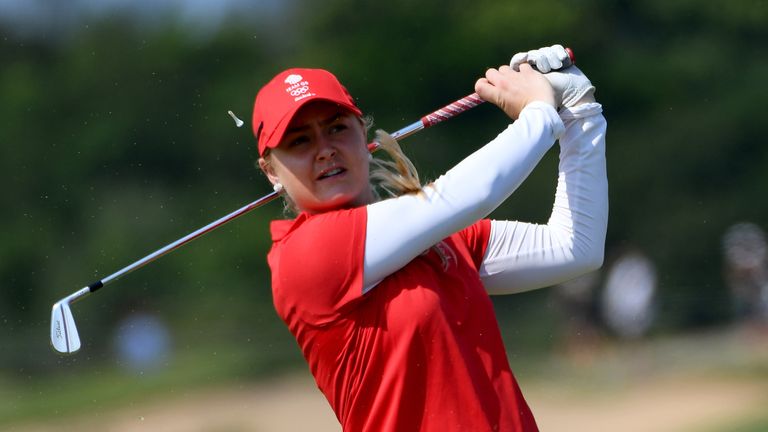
[64, 335]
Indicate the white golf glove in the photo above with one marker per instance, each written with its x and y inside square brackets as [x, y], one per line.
[570, 84]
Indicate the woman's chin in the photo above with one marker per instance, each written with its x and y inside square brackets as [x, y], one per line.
[339, 201]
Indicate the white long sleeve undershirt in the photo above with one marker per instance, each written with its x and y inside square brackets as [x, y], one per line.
[524, 256]
[519, 256]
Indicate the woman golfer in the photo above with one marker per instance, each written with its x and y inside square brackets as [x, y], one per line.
[388, 298]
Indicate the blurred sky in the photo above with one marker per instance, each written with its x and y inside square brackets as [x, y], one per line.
[47, 18]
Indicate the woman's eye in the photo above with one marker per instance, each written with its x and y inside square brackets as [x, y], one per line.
[298, 141]
[338, 128]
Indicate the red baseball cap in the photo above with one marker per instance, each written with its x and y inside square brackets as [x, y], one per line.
[279, 100]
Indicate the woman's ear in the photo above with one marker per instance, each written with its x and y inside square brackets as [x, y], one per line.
[266, 167]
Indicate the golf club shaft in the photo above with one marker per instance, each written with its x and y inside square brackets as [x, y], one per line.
[449, 111]
[184, 240]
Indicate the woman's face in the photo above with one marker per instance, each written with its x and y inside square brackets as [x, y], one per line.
[322, 160]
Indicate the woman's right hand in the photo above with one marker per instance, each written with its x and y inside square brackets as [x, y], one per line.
[511, 90]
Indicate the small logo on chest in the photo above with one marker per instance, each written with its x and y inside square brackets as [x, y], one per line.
[446, 254]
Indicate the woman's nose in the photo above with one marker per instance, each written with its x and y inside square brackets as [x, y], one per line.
[325, 149]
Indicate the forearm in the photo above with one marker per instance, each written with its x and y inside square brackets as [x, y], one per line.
[524, 256]
[399, 229]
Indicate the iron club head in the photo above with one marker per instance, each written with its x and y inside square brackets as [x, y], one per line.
[64, 337]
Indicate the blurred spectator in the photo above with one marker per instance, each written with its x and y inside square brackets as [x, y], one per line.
[142, 341]
[746, 272]
[628, 297]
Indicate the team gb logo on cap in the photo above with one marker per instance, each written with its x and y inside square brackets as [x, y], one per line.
[293, 79]
[297, 87]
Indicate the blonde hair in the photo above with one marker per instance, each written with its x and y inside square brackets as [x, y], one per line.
[394, 176]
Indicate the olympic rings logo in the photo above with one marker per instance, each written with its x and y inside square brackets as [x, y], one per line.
[300, 91]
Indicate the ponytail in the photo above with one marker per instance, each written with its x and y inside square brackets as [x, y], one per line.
[396, 176]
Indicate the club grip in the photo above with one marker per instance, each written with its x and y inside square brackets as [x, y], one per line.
[571, 56]
[451, 110]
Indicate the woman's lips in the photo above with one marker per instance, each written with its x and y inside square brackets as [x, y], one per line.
[331, 173]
